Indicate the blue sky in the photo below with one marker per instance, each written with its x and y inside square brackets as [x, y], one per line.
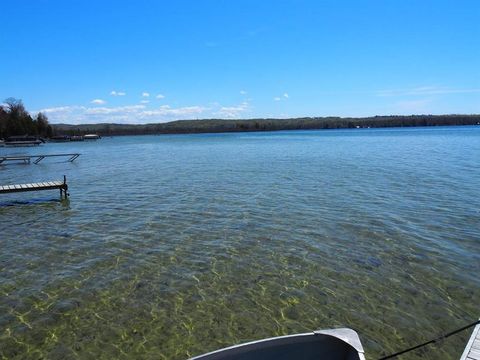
[155, 61]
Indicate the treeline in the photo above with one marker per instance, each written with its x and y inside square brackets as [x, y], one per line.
[219, 125]
[15, 120]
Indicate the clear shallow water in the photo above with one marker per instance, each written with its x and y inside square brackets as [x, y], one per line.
[171, 246]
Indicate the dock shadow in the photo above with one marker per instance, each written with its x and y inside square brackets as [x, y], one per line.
[38, 201]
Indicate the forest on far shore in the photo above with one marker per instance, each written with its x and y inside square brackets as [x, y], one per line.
[15, 120]
[306, 123]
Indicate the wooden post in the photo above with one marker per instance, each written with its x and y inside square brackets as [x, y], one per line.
[64, 188]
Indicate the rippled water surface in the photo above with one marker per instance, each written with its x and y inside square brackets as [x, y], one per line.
[171, 246]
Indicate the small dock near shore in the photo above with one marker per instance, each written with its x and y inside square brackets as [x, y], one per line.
[472, 350]
[47, 185]
[26, 159]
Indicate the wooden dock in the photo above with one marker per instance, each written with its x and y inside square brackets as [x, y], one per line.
[48, 185]
[36, 158]
[472, 350]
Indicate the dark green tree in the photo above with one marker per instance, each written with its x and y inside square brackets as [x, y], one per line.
[15, 120]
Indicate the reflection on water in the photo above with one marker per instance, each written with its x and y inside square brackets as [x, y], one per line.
[171, 246]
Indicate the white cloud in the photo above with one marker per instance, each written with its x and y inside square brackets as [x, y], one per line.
[425, 91]
[65, 114]
[413, 107]
[130, 114]
[98, 101]
[283, 97]
[167, 110]
[117, 93]
[243, 92]
[233, 111]
[145, 94]
[129, 109]
[60, 109]
[160, 96]
[143, 113]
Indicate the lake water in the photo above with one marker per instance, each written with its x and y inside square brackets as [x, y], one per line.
[170, 246]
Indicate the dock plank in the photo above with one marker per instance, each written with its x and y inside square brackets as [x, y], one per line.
[472, 350]
[474, 353]
[45, 185]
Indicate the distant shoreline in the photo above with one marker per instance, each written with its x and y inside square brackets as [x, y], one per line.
[256, 125]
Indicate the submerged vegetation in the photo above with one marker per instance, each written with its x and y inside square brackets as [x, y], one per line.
[15, 120]
[306, 123]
